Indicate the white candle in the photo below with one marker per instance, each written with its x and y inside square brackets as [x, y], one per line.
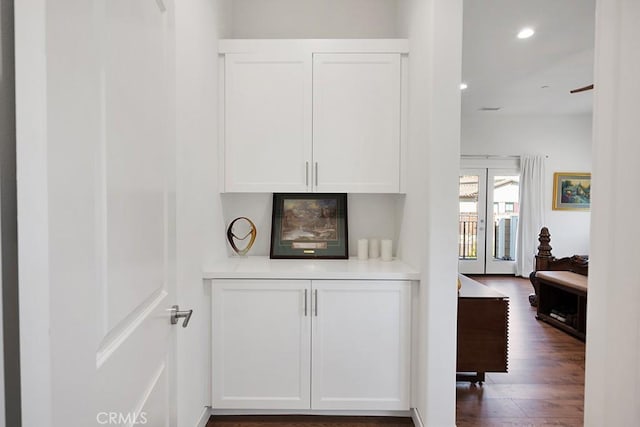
[374, 248]
[387, 249]
[363, 249]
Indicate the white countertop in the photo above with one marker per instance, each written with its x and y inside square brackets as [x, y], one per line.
[262, 267]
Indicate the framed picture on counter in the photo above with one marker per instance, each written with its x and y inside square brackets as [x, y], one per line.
[572, 191]
[309, 225]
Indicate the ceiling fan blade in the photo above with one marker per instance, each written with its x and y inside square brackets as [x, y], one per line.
[582, 89]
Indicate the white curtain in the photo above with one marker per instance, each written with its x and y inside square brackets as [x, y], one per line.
[531, 212]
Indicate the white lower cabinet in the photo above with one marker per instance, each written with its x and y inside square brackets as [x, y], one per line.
[321, 344]
[361, 345]
[261, 344]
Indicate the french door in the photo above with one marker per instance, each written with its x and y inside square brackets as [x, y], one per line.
[488, 220]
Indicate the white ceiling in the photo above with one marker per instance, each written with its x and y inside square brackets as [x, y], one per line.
[503, 71]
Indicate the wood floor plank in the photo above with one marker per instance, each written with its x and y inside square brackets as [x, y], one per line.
[557, 408]
[519, 422]
[489, 408]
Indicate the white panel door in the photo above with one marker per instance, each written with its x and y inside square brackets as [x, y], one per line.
[98, 212]
[135, 195]
[261, 344]
[267, 123]
[356, 122]
[361, 345]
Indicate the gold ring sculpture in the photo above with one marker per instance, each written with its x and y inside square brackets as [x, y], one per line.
[231, 236]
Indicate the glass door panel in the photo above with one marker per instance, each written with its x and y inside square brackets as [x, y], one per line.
[471, 224]
[502, 197]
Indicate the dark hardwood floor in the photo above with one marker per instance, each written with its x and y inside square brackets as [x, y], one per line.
[307, 421]
[544, 385]
[545, 382]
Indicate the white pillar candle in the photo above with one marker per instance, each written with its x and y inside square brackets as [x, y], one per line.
[387, 249]
[374, 248]
[363, 249]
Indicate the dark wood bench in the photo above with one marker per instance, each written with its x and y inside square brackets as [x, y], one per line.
[545, 261]
[560, 289]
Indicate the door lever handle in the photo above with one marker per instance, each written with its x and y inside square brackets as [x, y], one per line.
[177, 314]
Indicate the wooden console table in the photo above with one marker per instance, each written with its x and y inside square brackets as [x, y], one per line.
[483, 318]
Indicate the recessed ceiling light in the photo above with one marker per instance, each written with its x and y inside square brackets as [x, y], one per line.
[463, 86]
[525, 33]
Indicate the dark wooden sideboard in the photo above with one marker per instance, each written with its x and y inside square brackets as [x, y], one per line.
[483, 325]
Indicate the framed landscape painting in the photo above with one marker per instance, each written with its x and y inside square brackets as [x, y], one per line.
[309, 225]
[572, 191]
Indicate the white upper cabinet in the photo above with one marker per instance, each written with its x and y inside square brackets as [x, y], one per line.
[267, 126]
[313, 115]
[356, 122]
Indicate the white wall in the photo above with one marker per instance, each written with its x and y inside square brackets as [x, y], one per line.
[370, 215]
[31, 119]
[314, 19]
[428, 235]
[200, 227]
[224, 12]
[2, 414]
[613, 319]
[565, 139]
[2, 395]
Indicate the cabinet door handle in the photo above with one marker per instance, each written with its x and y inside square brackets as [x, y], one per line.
[316, 174]
[306, 174]
[315, 301]
[305, 303]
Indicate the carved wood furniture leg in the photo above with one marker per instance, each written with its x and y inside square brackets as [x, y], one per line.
[541, 261]
[533, 298]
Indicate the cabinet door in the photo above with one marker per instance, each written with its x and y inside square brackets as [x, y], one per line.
[361, 345]
[267, 122]
[261, 344]
[356, 122]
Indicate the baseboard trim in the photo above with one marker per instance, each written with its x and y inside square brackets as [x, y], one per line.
[311, 412]
[415, 416]
[204, 417]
